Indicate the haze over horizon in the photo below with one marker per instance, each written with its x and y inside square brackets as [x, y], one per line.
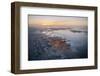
[57, 37]
[43, 21]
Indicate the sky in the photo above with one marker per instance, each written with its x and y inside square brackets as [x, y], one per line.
[45, 21]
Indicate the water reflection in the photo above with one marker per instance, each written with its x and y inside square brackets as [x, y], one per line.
[48, 44]
[76, 38]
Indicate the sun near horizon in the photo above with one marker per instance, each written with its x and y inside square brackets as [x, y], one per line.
[56, 21]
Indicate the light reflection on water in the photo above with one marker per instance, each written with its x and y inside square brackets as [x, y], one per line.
[77, 40]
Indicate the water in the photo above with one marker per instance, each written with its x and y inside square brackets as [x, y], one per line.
[39, 48]
[77, 40]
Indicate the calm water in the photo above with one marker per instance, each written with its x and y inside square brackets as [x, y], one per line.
[77, 40]
[40, 49]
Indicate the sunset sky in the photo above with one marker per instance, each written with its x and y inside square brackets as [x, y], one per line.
[56, 21]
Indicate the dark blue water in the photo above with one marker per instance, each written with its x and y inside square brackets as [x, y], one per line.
[39, 48]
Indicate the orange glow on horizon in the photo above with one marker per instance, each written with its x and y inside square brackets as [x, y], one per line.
[52, 22]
